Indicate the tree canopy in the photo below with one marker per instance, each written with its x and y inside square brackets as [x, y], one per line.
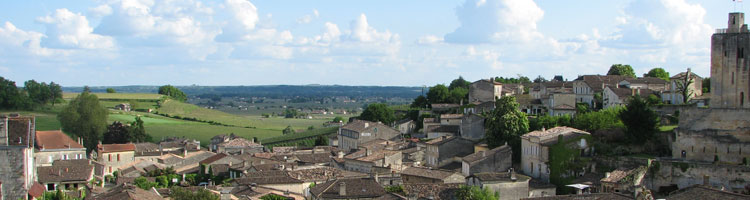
[438, 94]
[173, 92]
[378, 112]
[476, 193]
[658, 73]
[111, 90]
[84, 117]
[459, 83]
[622, 70]
[10, 96]
[640, 121]
[506, 124]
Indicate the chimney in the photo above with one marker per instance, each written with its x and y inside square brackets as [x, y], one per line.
[66, 170]
[606, 175]
[484, 153]
[513, 175]
[342, 189]
[367, 124]
[544, 129]
[184, 153]
[368, 152]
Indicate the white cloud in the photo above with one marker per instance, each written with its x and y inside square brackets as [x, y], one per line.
[491, 21]
[308, 18]
[101, 10]
[361, 31]
[429, 39]
[66, 29]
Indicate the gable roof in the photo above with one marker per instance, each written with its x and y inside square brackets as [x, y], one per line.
[355, 188]
[432, 191]
[682, 75]
[240, 142]
[494, 177]
[213, 158]
[443, 129]
[48, 140]
[65, 173]
[645, 80]
[428, 173]
[549, 136]
[623, 93]
[598, 82]
[360, 126]
[481, 155]
[126, 192]
[19, 133]
[705, 192]
[109, 148]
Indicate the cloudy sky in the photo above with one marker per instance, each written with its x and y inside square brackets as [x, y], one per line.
[383, 42]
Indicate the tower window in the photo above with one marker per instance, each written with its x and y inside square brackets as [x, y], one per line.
[740, 52]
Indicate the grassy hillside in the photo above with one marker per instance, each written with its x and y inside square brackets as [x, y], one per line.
[175, 108]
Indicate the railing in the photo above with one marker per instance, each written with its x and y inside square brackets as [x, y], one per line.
[721, 31]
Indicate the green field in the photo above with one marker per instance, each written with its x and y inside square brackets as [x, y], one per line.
[105, 96]
[175, 108]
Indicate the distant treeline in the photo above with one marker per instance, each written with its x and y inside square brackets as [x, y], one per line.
[273, 91]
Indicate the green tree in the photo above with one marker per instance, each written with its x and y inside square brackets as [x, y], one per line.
[138, 131]
[290, 113]
[505, 124]
[658, 73]
[420, 102]
[273, 197]
[117, 133]
[201, 194]
[84, 117]
[605, 119]
[338, 119]
[56, 92]
[438, 94]
[111, 90]
[321, 141]
[640, 121]
[143, 183]
[173, 92]
[540, 79]
[684, 86]
[476, 193]
[706, 85]
[458, 95]
[287, 130]
[378, 112]
[622, 70]
[10, 95]
[459, 83]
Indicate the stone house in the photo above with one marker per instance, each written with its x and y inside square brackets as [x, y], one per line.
[485, 90]
[498, 159]
[436, 131]
[444, 150]
[673, 95]
[560, 102]
[17, 145]
[536, 145]
[350, 188]
[65, 176]
[419, 175]
[530, 105]
[357, 132]
[512, 89]
[218, 139]
[472, 127]
[624, 181]
[509, 185]
[56, 145]
[617, 96]
[115, 156]
[406, 126]
[366, 160]
[479, 107]
[730, 77]
[239, 146]
[123, 106]
[586, 86]
[651, 83]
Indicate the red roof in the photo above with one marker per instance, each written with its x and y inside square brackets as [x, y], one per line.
[108, 148]
[55, 140]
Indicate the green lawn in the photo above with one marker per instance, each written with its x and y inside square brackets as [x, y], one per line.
[667, 128]
[203, 132]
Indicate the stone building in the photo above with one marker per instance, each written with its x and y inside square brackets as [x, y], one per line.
[536, 145]
[509, 185]
[72, 176]
[444, 150]
[586, 86]
[618, 96]
[674, 96]
[218, 139]
[472, 127]
[713, 135]
[498, 159]
[115, 156]
[485, 90]
[349, 188]
[56, 145]
[360, 131]
[406, 126]
[18, 172]
[730, 78]
[239, 146]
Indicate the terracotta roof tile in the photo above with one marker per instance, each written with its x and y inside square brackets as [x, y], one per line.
[108, 148]
[428, 173]
[355, 188]
[55, 140]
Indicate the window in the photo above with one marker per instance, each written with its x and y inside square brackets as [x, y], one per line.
[742, 98]
[110, 158]
[740, 52]
[65, 157]
[118, 157]
[110, 169]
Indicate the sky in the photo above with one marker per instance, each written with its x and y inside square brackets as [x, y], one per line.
[384, 42]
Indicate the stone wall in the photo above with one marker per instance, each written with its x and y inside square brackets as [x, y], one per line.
[481, 91]
[472, 127]
[729, 70]
[13, 172]
[711, 135]
[500, 161]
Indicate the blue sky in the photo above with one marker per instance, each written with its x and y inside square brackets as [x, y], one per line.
[386, 42]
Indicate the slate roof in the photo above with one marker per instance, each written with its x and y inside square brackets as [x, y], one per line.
[355, 188]
[481, 155]
[443, 129]
[494, 177]
[704, 192]
[428, 173]
[55, 140]
[128, 192]
[594, 196]
[109, 148]
[432, 191]
[69, 173]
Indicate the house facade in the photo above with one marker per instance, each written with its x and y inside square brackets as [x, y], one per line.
[357, 132]
[485, 90]
[441, 151]
[56, 145]
[115, 156]
[536, 145]
[498, 159]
